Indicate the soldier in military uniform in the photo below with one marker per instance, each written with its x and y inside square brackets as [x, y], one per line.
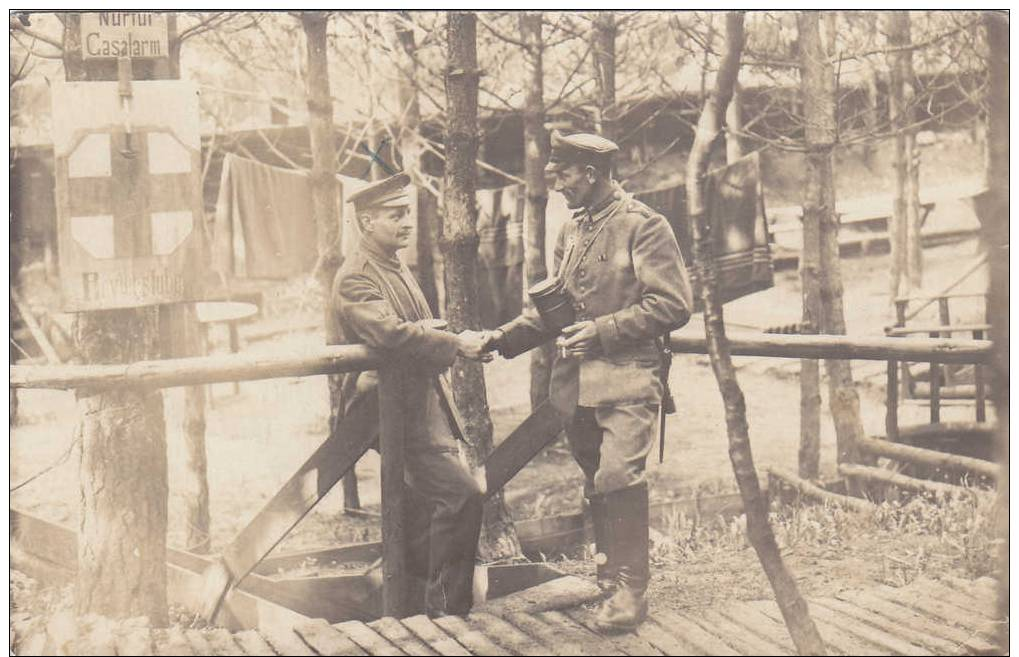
[622, 267]
[377, 301]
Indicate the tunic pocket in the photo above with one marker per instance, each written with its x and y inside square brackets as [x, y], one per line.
[604, 383]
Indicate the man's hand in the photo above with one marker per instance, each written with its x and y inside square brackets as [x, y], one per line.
[474, 345]
[579, 340]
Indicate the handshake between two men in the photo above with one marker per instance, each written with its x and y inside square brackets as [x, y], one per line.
[578, 340]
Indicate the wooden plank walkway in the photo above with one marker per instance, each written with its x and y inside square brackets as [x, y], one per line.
[928, 617]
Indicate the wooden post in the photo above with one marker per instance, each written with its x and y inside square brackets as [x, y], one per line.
[817, 77]
[195, 486]
[326, 211]
[536, 147]
[459, 240]
[946, 320]
[935, 396]
[892, 401]
[392, 434]
[709, 127]
[123, 473]
[603, 55]
[979, 385]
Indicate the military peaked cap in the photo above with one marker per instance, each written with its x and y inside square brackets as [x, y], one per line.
[581, 148]
[388, 193]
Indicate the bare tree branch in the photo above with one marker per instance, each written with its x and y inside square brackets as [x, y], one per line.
[17, 26]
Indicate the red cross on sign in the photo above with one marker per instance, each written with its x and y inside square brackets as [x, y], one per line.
[130, 210]
[129, 200]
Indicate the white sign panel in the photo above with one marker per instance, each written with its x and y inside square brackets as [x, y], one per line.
[129, 196]
[113, 34]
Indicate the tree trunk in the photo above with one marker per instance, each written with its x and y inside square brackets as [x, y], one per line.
[603, 54]
[907, 253]
[459, 241]
[809, 457]
[409, 147]
[734, 149]
[818, 88]
[321, 135]
[996, 24]
[123, 475]
[897, 227]
[793, 607]
[197, 536]
[536, 152]
[123, 470]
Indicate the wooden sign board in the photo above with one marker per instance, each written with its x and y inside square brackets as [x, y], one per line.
[135, 34]
[129, 198]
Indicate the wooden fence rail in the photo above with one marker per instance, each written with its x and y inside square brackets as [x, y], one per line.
[349, 358]
[309, 484]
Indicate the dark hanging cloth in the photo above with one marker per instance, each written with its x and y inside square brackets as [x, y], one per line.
[271, 207]
[500, 254]
[735, 206]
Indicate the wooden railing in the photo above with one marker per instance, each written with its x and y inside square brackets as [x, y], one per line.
[350, 439]
[906, 386]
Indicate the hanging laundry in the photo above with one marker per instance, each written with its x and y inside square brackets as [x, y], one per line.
[736, 213]
[264, 226]
[500, 253]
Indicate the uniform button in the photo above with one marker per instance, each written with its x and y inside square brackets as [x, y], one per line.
[581, 272]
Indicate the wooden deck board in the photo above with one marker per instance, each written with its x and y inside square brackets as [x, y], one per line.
[922, 600]
[507, 635]
[630, 643]
[960, 597]
[663, 641]
[923, 644]
[888, 642]
[835, 639]
[542, 633]
[287, 642]
[252, 643]
[927, 617]
[368, 639]
[470, 637]
[757, 622]
[964, 641]
[687, 631]
[394, 631]
[590, 642]
[738, 636]
[426, 630]
[325, 639]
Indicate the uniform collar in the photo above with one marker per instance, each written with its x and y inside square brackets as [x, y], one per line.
[380, 257]
[603, 208]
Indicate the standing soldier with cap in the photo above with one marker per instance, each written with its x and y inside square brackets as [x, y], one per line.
[376, 301]
[621, 266]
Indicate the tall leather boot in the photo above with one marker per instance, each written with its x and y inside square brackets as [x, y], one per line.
[602, 545]
[627, 512]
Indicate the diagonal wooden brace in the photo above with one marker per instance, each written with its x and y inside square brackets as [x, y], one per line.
[326, 467]
[340, 452]
[510, 456]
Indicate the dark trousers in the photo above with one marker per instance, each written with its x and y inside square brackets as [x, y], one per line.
[442, 519]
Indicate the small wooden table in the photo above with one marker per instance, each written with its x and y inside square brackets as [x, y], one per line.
[228, 312]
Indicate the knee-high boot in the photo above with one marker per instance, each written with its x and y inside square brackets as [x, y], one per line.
[627, 513]
[602, 543]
